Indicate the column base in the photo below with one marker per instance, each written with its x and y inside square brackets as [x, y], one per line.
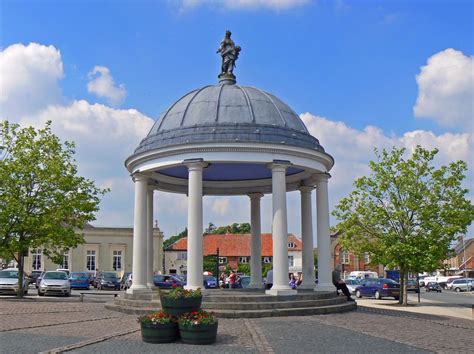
[281, 292]
[325, 287]
[142, 289]
[307, 287]
[152, 287]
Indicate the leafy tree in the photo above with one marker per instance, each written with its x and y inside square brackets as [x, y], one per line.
[243, 268]
[406, 213]
[168, 242]
[210, 264]
[265, 268]
[43, 201]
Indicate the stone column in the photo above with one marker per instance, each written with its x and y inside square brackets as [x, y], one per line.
[324, 240]
[195, 251]
[256, 246]
[150, 250]
[280, 232]
[139, 282]
[307, 238]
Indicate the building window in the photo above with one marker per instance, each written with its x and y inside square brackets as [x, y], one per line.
[345, 257]
[267, 259]
[182, 256]
[90, 260]
[117, 260]
[291, 245]
[65, 262]
[291, 261]
[36, 255]
[222, 260]
[366, 257]
[243, 259]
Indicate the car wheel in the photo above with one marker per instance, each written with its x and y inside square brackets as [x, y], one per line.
[439, 291]
[377, 295]
[358, 294]
[40, 294]
[68, 294]
[25, 292]
[458, 290]
[397, 298]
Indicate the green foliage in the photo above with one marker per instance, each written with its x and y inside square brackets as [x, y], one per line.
[235, 228]
[43, 201]
[406, 213]
[210, 264]
[243, 268]
[178, 292]
[265, 268]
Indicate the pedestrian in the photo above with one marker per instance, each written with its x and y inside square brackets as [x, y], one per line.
[339, 283]
[232, 280]
[299, 280]
[292, 281]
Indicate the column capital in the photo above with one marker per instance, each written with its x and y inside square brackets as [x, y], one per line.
[306, 189]
[279, 165]
[195, 164]
[321, 177]
[141, 176]
[255, 195]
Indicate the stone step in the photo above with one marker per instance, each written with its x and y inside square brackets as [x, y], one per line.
[301, 311]
[138, 303]
[235, 297]
[305, 311]
[272, 305]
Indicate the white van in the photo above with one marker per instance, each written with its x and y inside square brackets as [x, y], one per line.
[362, 274]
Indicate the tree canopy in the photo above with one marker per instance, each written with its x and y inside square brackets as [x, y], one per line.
[43, 201]
[407, 212]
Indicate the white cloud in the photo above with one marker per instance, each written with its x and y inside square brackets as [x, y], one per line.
[220, 206]
[29, 78]
[446, 89]
[102, 84]
[245, 4]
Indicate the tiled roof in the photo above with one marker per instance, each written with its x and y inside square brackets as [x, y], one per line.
[235, 244]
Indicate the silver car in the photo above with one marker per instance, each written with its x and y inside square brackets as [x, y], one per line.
[462, 284]
[9, 282]
[54, 283]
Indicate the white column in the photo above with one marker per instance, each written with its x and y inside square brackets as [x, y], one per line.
[139, 282]
[150, 250]
[195, 252]
[280, 232]
[307, 238]
[324, 240]
[256, 246]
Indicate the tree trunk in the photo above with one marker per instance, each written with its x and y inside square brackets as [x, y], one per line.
[21, 262]
[403, 286]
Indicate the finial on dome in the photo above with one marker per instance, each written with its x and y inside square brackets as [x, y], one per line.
[229, 53]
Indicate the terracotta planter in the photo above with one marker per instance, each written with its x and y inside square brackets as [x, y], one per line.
[159, 333]
[177, 307]
[198, 334]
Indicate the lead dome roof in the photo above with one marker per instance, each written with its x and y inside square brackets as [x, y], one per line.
[228, 113]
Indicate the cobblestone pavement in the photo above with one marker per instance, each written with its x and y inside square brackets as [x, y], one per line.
[35, 326]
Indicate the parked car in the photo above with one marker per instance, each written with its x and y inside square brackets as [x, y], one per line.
[108, 280]
[166, 281]
[245, 281]
[9, 282]
[34, 275]
[54, 283]
[124, 279]
[79, 280]
[38, 280]
[432, 286]
[352, 284]
[378, 288]
[67, 271]
[210, 282]
[461, 284]
[412, 285]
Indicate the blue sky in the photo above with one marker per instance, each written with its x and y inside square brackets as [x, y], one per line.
[102, 70]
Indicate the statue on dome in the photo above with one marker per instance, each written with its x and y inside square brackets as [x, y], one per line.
[229, 53]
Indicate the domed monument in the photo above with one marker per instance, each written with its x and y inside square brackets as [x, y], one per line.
[227, 139]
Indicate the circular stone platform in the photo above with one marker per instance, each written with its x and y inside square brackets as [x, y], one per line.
[245, 303]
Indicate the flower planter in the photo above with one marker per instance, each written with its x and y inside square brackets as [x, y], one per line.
[159, 333]
[198, 334]
[177, 307]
